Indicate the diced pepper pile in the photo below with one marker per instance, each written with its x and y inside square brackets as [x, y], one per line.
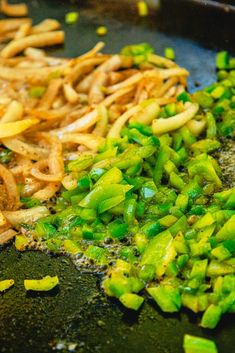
[152, 212]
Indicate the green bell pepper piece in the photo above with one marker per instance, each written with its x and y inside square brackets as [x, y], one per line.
[176, 181]
[169, 53]
[104, 192]
[222, 60]
[88, 214]
[159, 252]
[44, 230]
[148, 190]
[180, 225]
[204, 221]
[211, 316]
[147, 273]
[211, 126]
[82, 163]
[140, 241]
[110, 203]
[139, 52]
[167, 297]
[192, 189]
[163, 157]
[227, 231]
[193, 344]
[112, 176]
[71, 247]
[199, 269]
[203, 99]
[131, 301]
[187, 136]
[151, 228]
[183, 97]
[97, 254]
[221, 253]
[182, 202]
[196, 303]
[118, 285]
[118, 229]
[21, 242]
[129, 211]
[207, 145]
[216, 269]
[230, 203]
[205, 169]
[167, 221]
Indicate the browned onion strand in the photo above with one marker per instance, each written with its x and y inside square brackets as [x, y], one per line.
[11, 188]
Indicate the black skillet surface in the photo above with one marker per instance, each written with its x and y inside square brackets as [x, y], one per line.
[78, 317]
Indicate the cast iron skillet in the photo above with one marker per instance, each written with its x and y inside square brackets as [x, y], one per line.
[78, 317]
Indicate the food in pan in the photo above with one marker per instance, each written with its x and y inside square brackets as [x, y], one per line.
[108, 159]
[13, 10]
[6, 284]
[47, 283]
[193, 344]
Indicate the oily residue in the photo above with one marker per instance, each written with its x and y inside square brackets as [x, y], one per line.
[226, 159]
